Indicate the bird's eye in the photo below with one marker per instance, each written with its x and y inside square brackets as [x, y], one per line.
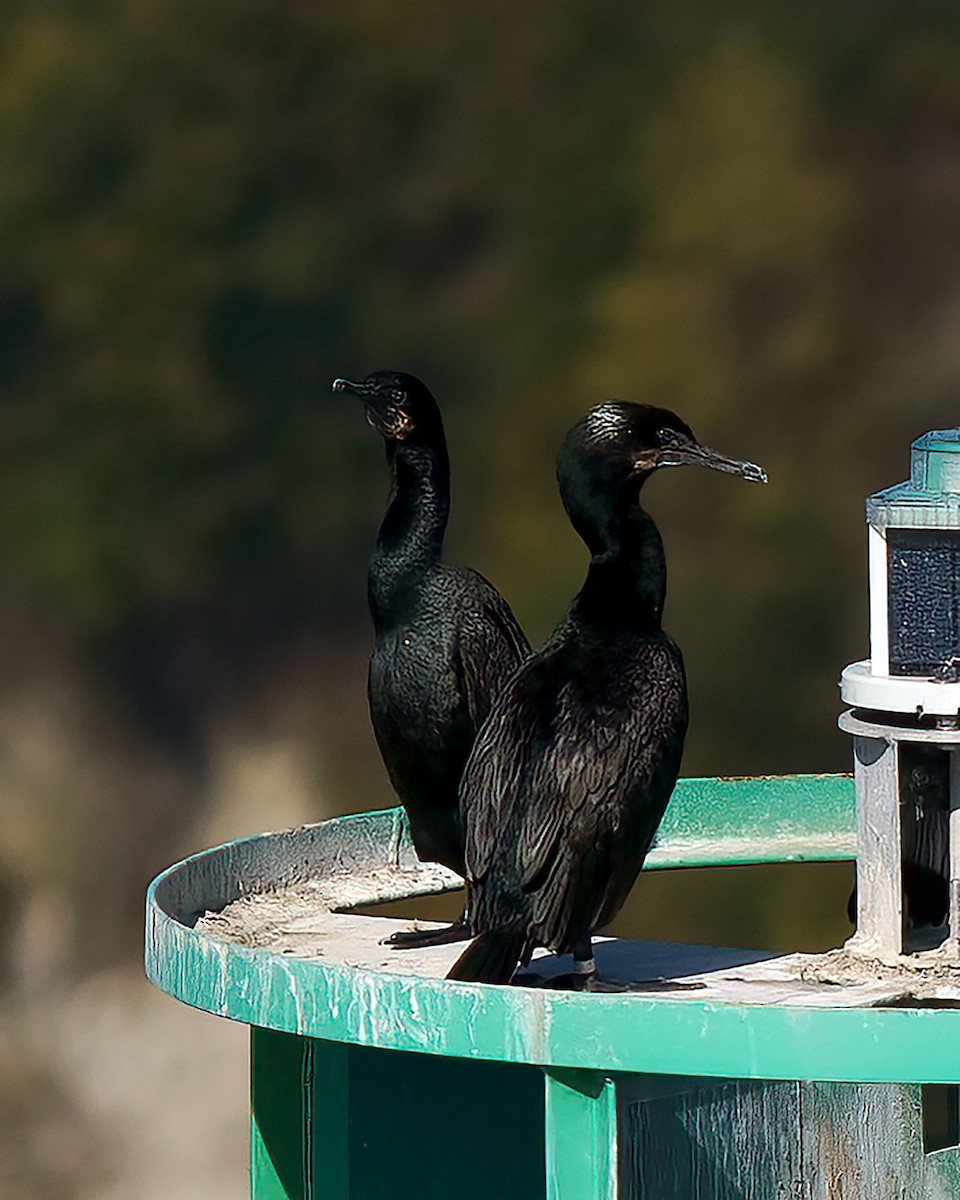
[670, 437]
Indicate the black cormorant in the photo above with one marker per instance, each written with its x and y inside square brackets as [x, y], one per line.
[572, 771]
[446, 641]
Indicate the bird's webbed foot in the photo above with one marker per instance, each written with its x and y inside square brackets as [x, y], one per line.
[415, 939]
[665, 985]
[527, 979]
[596, 984]
[576, 981]
[581, 981]
[585, 978]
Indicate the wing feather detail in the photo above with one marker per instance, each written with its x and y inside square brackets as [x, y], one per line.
[490, 647]
[564, 790]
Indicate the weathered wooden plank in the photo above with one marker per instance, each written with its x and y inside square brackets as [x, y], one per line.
[861, 1141]
[731, 1140]
[740, 1140]
[580, 1135]
[879, 885]
[941, 1175]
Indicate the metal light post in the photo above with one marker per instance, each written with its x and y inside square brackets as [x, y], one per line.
[905, 707]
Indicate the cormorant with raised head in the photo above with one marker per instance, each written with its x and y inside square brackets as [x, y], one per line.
[445, 642]
[570, 776]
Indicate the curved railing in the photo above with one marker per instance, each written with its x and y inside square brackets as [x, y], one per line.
[325, 1100]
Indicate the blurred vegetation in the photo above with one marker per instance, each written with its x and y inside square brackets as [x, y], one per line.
[748, 212]
[208, 210]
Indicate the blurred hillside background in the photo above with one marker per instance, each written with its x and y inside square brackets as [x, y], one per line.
[748, 212]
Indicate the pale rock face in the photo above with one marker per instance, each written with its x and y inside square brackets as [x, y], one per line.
[152, 1097]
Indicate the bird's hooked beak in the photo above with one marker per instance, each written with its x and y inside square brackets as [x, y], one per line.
[385, 414]
[683, 453]
[364, 387]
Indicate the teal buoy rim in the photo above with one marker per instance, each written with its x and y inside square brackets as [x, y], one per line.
[710, 822]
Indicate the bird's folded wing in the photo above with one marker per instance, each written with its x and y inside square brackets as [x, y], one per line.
[548, 781]
[490, 647]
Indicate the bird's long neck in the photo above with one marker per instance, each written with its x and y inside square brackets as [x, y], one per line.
[410, 541]
[627, 579]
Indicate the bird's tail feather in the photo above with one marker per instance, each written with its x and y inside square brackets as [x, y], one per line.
[490, 958]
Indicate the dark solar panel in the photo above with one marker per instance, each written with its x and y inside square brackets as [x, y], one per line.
[923, 588]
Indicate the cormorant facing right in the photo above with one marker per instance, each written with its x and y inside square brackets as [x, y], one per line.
[572, 771]
[445, 641]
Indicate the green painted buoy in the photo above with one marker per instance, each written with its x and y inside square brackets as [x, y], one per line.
[726, 1074]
